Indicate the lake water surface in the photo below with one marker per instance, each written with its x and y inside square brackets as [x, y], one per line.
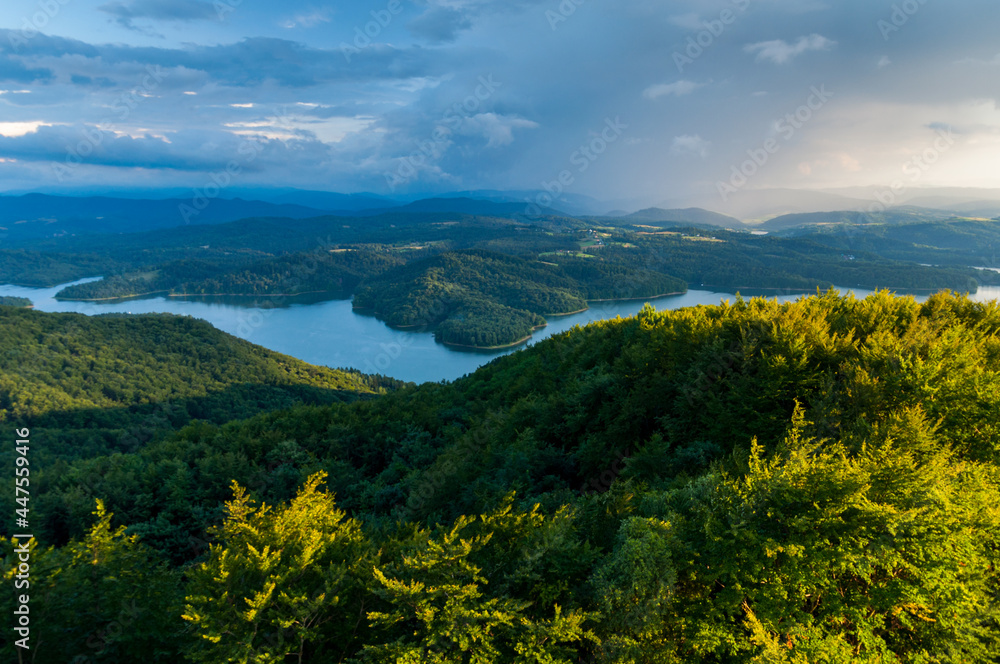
[330, 333]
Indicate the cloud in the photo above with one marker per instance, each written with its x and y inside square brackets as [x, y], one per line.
[689, 21]
[89, 81]
[677, 89]
[346, 110]
[440, 24]
[945, 127]
[690, 144]
[126, 11]
[307, 19]
[443, 20]
[977, 61]
[12, 69]
[187, 150]
[351, 121]
[252, 62]
[780, 52]
[11, 129]
[497, 129]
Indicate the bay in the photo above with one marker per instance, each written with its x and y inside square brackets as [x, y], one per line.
[331, 333]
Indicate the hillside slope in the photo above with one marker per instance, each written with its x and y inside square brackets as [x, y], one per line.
[892, 216]
[813, 481]
[953, 242]
[112, 383]
[686, 217]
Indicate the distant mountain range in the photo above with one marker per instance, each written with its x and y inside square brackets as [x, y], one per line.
[893, 216]
[759, 205]
[575, 204]
[461, 205]
[35, 216]
[44, 215]
[39, 215]
[756, 205]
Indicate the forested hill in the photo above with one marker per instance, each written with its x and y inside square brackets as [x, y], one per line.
[110, 383]
[485, 299]
[8, 301]
[753, 482]
[685, 217]
[333, 272]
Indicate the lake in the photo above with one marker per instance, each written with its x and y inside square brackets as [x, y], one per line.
[330, 333]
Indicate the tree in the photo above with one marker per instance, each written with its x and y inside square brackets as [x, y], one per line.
[819, 554]
[105, 598]
[439, 611]
[286, 582]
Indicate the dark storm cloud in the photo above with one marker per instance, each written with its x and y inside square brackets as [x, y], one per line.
[183, 151]
[697, 82]
[12, 69]
[250, 62]
[440, 24]
[126, 11]
[444, 20]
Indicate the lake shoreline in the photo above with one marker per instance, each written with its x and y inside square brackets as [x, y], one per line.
[110, 300]
[315, 292]
[501, 347]
[163, 293]
[333, 333]
[514, 344]
[568, 313]
[636, 299]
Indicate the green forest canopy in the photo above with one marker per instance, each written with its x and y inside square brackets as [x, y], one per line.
[110, 383]
[10, 301]
[749, 482]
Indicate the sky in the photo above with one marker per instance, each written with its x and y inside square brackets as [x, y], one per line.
[639, 100]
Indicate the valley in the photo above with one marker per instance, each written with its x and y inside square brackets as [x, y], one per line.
[492, 332]
[416, 268]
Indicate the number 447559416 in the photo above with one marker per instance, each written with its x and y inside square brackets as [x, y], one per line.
[21, 481]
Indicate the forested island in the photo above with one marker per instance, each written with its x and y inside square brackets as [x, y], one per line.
[749, 482]
[488, 300]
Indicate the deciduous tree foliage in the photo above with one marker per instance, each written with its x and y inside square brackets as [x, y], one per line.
[96, 386]
[285, 583]
[104, 598]
[753, 482]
